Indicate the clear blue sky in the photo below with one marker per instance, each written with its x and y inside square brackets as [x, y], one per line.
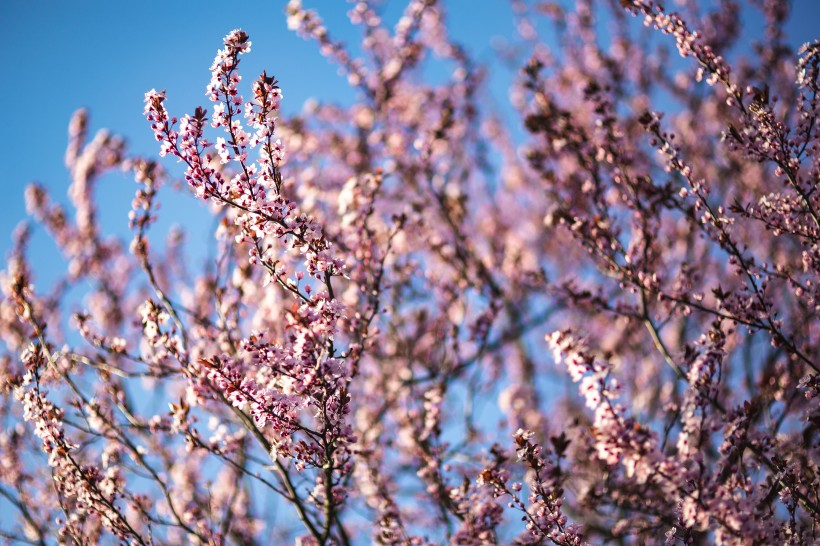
[59, 56]
[104, 55]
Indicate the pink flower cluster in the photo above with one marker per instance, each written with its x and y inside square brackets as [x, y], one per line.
[359, 355]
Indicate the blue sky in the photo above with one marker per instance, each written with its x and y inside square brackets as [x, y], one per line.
[59, 56]
[103, 55]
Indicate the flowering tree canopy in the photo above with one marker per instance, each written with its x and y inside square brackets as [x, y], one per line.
[424, 322]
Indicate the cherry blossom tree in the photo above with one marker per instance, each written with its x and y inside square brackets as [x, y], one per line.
[425, 322]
